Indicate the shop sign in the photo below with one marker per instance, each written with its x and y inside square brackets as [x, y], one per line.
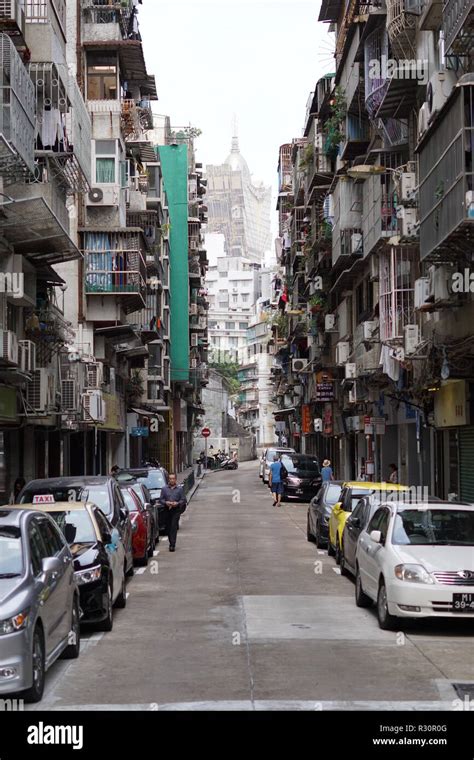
[140, 432]
[306, 419]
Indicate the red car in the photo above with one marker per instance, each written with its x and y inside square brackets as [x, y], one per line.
[142, 529]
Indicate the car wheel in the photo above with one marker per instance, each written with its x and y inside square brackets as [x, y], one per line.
[342, 563]
[331, 551]
[309, 535]
[150, 549]
[73, 649]
[361, 599]
[108, 623]
[121, 600]
[142, 561]
[35, 692]
[386, 621]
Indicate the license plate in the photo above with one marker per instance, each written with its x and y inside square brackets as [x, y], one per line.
[299, 490]
[463, 602]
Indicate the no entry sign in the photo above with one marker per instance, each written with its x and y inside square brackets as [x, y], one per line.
[205, 432]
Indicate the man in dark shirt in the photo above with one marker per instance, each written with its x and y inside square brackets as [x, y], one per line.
[173, 499]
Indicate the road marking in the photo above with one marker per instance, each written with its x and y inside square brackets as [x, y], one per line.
[127, 594]
[321, 554]
[337, 570]
[156, 552]
[140, 571]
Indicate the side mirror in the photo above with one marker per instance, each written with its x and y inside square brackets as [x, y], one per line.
[51, 567]
[355, 521]
[148, 506]
[376, 536]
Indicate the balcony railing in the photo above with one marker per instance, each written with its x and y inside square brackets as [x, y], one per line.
[17, 113]
[402, 26]
[396, 293]
[458, 26]
[115, 266]
[39, 11]
[136, 118]
[114, 17]
[379, 216]
[63, 126]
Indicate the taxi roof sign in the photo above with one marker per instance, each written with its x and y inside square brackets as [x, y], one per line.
[46, 498]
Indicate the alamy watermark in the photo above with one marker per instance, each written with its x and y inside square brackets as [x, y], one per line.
[406, 68]
[12, 284]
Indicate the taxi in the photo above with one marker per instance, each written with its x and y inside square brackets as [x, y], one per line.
[351, 492]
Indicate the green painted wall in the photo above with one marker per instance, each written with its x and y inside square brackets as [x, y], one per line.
[174, 164]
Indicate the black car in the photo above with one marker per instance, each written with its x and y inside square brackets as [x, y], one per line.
[319, 510]
[304, 476]
[153, 478]
[101, 490]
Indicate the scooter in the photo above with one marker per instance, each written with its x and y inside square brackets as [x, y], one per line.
[229, 463]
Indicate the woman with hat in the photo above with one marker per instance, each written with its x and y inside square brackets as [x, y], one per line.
[326, 471]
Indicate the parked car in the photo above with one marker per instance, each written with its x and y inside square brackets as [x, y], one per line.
[356, 522]
[417, 560]
[153, 478]
[319, 511]
[142, 531]
[350, 495]
[99, 558]
[304, 476]
[268, 457]
[100, 490]
[39, 601]
[142, 493]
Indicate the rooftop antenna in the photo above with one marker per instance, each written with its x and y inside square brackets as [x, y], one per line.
[235, 135]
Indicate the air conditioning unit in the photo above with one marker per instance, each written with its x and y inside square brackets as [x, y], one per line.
[408, 225]
[374, 269]
[330, 323]
[439, 89]
[93, 406]
[412, 338]
[357, 244]
[194, 340]
[94, 376]
[193, 309]
[407, 187]
[369, 329]
[350, 371]
[423, 120]
[69, 395]
[38, 390]
[27, 355]
[422, 292]
[342, 352]
[299, 365]
[103, 196]
[439, 278]
[8, 347]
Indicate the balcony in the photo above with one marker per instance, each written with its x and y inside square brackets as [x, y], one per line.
[346, 233]
[458, 27]
[115, 266]
[446, 176]
[12, 21]
[379, 217]
[396, 292]
[137, 118]
[46, 29]
[17, 114]
[376, 80]
[356, 137]
[402, 20]
[107, 20]
[63, 127]
[147, 221]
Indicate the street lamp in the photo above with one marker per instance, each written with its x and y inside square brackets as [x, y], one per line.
[364, 171]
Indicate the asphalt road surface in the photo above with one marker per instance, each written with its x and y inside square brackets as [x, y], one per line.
[248, 615]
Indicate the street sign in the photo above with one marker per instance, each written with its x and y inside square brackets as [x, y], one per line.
[205, 432]
[140, 432]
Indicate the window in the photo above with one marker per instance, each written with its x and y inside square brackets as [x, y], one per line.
[230, 325]
[37, 548]
[379, 521]
[104, 525]
[105, 160]
[51, 539]
[102, 77]
[245, 297]
[243, 325]
[235, 299]
[233, 342]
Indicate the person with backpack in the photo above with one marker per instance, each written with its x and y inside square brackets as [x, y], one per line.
[278, 473]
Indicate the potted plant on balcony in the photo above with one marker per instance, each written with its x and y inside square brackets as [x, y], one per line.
[332, 127]
[316, 303]
[134, 388]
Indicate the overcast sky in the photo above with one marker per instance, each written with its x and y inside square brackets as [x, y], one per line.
[257, 59]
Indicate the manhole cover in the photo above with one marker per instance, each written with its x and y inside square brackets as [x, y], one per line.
[464, 690]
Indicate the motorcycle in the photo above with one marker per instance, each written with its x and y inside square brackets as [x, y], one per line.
[229, 463]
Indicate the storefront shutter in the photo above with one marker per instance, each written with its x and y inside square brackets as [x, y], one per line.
[466, 457]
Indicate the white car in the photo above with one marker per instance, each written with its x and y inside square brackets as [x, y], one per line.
[417, 560]
[268, 457]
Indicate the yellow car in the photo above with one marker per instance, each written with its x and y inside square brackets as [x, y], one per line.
[350, 495]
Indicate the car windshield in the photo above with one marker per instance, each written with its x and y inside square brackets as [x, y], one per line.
[129, 500]
[11, 555]
[76, 526]
[97, 494]
[440, 527]
[155, 479]
[332, 494]
[300, 464]
[138, 490]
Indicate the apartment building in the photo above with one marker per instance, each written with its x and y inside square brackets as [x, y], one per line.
[375, 351]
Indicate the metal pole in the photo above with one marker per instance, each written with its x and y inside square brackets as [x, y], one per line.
[205, 454]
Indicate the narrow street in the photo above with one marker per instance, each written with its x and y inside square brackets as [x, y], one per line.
[243, 616]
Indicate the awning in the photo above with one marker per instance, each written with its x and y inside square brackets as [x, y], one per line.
[49, 275]
[145, 150]
[400, 96]
[132, 62]
[284, 411]
[117, 332]
[133, 351]
[34, 230]
[147, 413]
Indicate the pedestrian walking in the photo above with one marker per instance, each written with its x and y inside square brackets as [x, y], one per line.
[18, 486]
[393, 477]
[275, 480]
[174, 500]
[326, 471]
